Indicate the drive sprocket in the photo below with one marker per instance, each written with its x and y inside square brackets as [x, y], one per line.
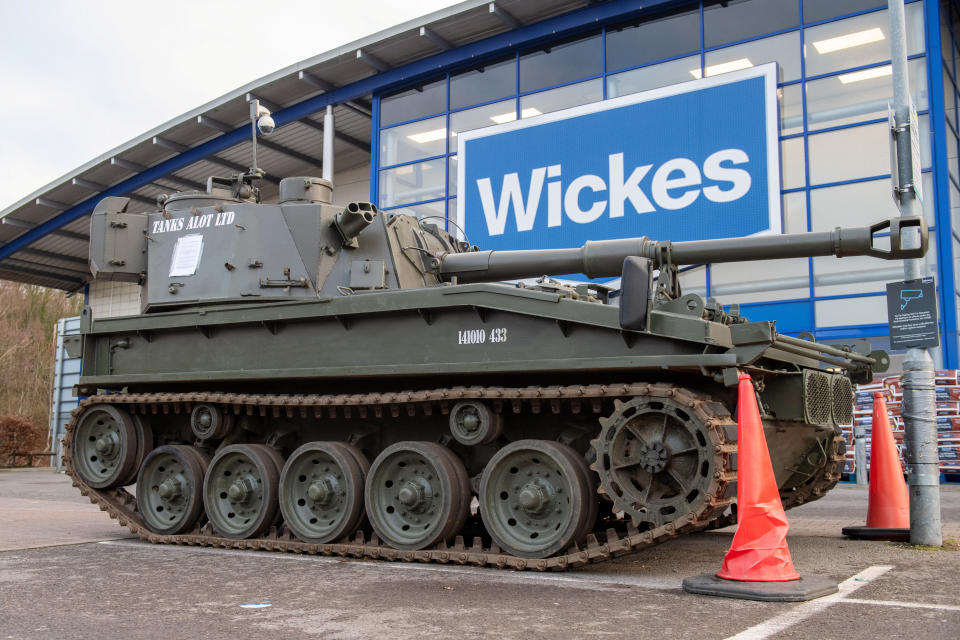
[667, 455]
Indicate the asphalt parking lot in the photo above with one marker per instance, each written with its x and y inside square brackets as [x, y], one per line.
[67, 570]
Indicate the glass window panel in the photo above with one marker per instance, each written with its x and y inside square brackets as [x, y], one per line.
[409, 142]
[432, 210]
[413, 183]
[924, 122]
[479, 117]
[694, 280]
[956, 260]
[952, 155]
[791, 109]
[858, 41]
[733, 20]
[859, 204]
[791, 163]
[845, 312]
[744, 282]
[561, 98]
[848, 154]
[783, 49]
[561, 63]
[949, 100]
[794, 212]
[652, 77]
[656, 39]
[411, 104]
[483, 84]
[817, 10]
[452, 176]
[955, 214]
[861, 95]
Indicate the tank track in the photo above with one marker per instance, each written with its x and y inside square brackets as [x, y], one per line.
[817, 485]
[600, 545]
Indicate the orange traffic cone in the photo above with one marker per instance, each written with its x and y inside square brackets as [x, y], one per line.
[888, 510]
[759, 550]
[758, 565]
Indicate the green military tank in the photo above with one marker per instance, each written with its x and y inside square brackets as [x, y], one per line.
[330, 380]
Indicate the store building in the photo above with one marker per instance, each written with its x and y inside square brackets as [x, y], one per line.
[398, 99]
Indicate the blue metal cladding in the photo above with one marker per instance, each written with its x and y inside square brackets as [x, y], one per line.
[945, 272]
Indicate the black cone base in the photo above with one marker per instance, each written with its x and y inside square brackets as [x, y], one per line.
[800, 590]
[876, 533]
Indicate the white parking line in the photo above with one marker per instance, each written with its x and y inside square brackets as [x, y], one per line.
[575, 580]
[906, 605]
[805, 610]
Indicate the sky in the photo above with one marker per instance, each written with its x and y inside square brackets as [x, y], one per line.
[80, 77]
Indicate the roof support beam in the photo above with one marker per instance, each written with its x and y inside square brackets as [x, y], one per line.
[269, 144]
[27, 264]
[23, 224]
[361, 107]
[37, 273]
[50, 255]
[567, 24]
[129, 165]
[372, 61]
[223, 162]
[504, 16]
[52, 204]
[356, 142]
[97, 188]
[441, 43]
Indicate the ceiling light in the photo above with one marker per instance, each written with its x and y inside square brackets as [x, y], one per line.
[529, 112]
[723, 67]
[429, 136]
[866, 74]
[504, 117]
[849, 40]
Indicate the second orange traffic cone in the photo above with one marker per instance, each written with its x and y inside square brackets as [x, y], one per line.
[888, 510]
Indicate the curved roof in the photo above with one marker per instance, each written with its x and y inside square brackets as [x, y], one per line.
[43, 236]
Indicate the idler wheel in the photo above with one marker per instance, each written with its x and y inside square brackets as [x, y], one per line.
[417, 495]
[169, 489]
[240, 490]
[321, 491]
[105, 446]
[537, 498]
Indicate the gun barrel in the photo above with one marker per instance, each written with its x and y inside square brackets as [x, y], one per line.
[604, 258]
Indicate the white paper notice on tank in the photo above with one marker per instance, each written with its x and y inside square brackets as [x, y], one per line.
[186, 255]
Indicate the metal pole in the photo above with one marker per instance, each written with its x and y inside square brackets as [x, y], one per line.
[860, 454]
[328, 135]
[919, 405]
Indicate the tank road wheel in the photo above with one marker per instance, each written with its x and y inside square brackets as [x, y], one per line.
[144, 446]
[169, 489]
[321, 491]
[416, 495]
[105, 447]
[537, 498]
[656, 459]
[240, 490]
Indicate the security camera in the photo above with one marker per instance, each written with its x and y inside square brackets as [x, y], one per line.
[265, 124]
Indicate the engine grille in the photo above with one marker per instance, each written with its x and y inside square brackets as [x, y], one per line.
[817, 397]
[842, 400]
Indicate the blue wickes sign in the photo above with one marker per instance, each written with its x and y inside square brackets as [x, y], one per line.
[687, 162]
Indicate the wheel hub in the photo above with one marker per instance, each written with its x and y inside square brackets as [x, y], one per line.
[533, 498]
[241, 489]
[320, 491]
[653, 458]
[169, 489]
[411, 495]
[204, 419]
[469, 420]
[106, 444]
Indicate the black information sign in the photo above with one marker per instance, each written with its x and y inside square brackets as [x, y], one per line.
[912, 314]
